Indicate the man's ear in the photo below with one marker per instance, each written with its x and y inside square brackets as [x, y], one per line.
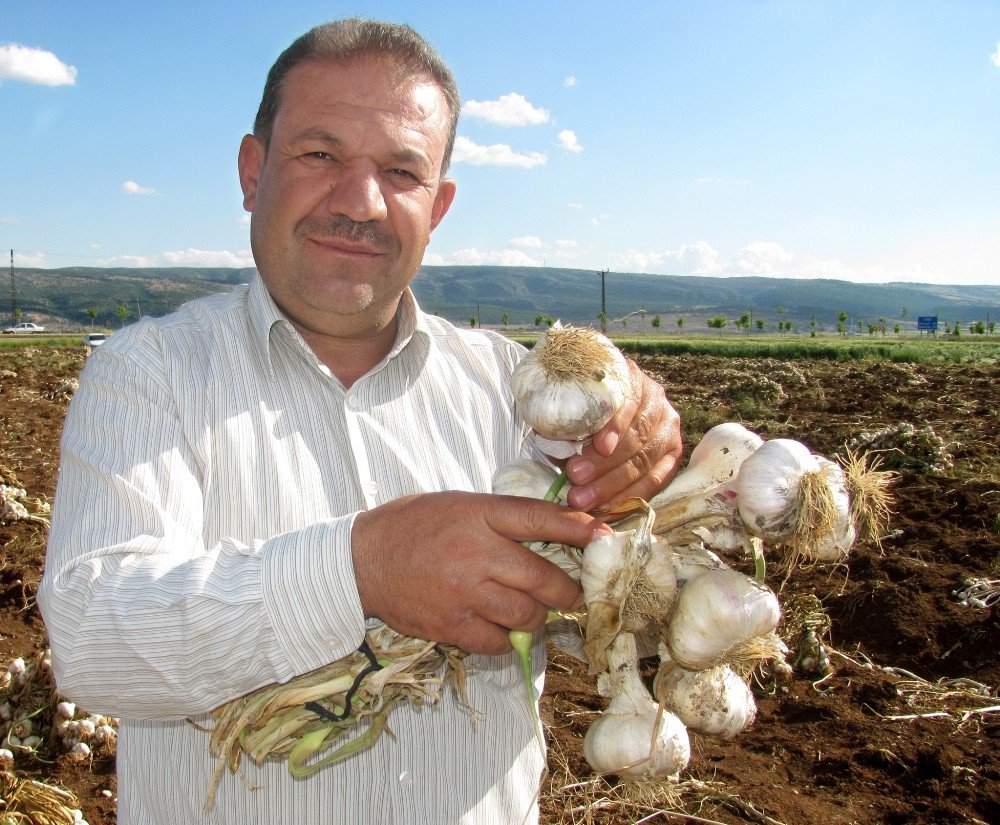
[250, 162]
[442, 201]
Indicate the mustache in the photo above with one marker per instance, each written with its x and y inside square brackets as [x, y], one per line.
[340, 226]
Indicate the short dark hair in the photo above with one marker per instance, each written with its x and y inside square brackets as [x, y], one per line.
[343, 41]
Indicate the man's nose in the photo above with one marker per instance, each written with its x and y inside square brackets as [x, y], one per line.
[357, 194]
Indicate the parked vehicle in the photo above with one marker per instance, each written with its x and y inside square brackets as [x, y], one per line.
[94, 339]
[23, 328]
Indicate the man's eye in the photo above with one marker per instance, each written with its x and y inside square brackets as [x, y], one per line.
[316, 158]
[404, 174]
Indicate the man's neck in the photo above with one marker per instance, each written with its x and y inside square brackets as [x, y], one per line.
[351, 357]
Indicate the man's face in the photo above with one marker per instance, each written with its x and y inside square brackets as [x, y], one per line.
[347, 193]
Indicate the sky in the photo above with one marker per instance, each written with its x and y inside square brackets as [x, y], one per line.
[850, 140]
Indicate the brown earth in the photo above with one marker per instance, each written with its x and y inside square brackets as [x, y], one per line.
[905, 729]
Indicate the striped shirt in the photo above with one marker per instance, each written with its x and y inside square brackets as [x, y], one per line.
[210, 473]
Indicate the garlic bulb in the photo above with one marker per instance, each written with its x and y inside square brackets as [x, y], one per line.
[717, 615]
[691, 562]
[571, 383]
[715, 701]
[527, 478]
[628, 584]
[770, 485]
[632, 738]
[835, 544]
[714, 460]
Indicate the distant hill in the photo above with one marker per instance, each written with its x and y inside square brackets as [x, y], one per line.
[60, 298]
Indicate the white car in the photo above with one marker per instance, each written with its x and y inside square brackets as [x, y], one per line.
[23, 329]
[94, 339]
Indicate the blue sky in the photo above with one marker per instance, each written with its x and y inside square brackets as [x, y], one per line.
[852, 140]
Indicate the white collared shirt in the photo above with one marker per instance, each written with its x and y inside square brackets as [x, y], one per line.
[200, 548]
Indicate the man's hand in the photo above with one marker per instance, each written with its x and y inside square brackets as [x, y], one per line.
[635, 454]
[449, 567]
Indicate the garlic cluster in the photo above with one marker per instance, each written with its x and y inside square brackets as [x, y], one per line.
[571, 383]
[36, 722]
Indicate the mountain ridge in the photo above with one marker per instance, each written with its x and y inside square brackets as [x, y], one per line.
[62, 297]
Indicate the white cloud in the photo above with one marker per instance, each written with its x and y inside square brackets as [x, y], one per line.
[130, 187]
[35, 260]
[184, 257]
[995, 57]
[765, 258]
[566, 244]
[569, 81]
[509, 110]
[34, 66]
[497, 154]
[504, 257]
[527, 241]
[698, 258]
[10, 219]
[567, 139]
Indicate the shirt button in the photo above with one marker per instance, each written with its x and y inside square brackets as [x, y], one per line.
[405, 778]
[353, 403]
[371, 488]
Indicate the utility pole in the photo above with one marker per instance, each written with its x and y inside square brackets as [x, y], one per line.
[13, 291]
[604, 312]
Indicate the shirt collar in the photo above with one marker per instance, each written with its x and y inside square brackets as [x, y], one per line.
[265, 319]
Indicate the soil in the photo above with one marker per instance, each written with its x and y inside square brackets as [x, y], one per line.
[904, 729]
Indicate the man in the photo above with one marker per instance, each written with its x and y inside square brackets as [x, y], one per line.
[310, 454]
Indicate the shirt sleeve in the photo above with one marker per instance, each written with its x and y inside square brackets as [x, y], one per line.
[144, 620]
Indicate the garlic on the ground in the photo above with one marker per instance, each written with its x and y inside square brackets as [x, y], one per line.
[6, 759]
[722, 616]
[715, 460]
[66, 709]
[633, 738]
[715, 701]
[571, 383]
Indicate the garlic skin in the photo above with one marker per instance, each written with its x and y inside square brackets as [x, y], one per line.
[525, 477]
[631, 739]
[715, 702]
[571, 383]
[691, 562]
[768, 484]
[716, 459]
[716, 611]
[837, 544]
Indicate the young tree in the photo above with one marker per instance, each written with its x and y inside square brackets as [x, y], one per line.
[549, 320]
[92, 315]
[718, 322]
[760, 324]
[842, 322]
[812, 326]
[506, 320]
[743, 322]
[655, 323]
[538, 320]
[472, 322]
[124, 313]
[680, 322]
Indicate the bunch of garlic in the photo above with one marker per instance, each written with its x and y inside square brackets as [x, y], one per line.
[35, 721]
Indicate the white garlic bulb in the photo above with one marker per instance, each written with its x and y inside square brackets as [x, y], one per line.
[571, 383]
[715, 459]
[632, 738]
[837, 543]
[769, 484]
[715, 701]
[525, 477]
[715, 612]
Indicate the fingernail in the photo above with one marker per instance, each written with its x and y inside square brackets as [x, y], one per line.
[611, 442]
[582, 497]
[580, 471]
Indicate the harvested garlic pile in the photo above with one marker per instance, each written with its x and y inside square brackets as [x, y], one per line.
[35, 722]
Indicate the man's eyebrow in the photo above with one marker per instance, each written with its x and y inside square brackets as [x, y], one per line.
[320, 135]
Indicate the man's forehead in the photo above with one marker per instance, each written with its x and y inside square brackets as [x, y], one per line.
[376, 84]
